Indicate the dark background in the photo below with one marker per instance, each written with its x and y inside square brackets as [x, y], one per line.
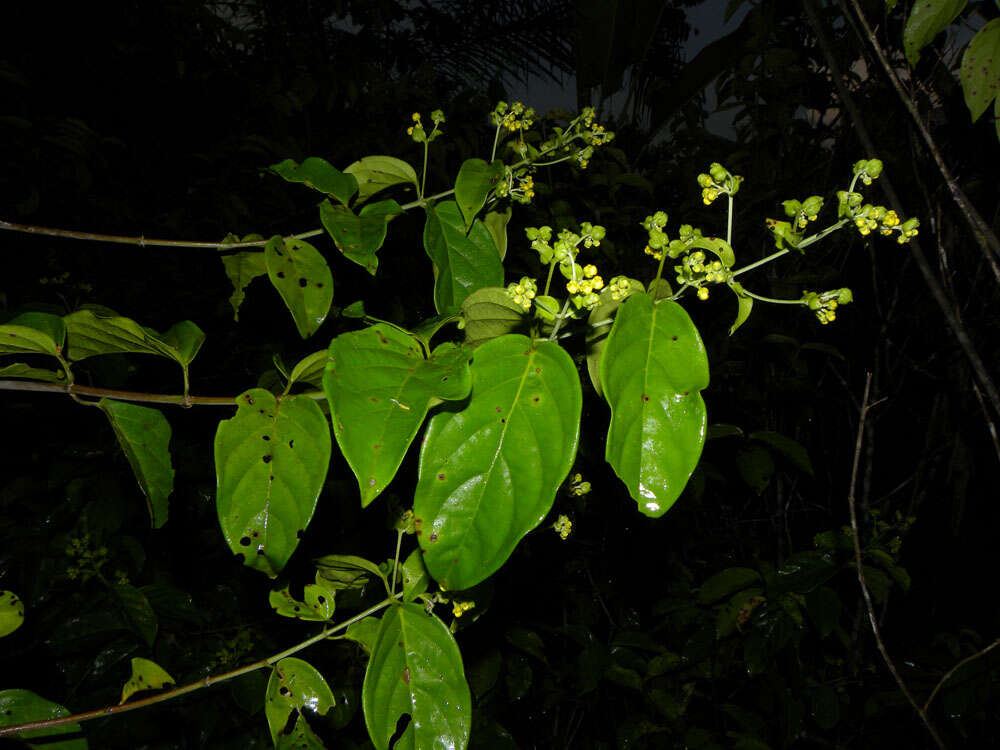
[158, 119]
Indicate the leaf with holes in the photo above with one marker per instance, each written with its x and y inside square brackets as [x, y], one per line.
[490, 312]
[146, 675]
[23, 706]
[927, 19]
[416, 670]
[980, 71]
[144, 435]
[318, 604]
[33, 333]
[242, 267]
[653, 370]
[489, 471]
[295, 685]
[11, 612]
[376, 173]
[463, 263]
[320, 175]
[380, 387]
[475, 180]
[359, 236]
[270, 463]
[303, 279]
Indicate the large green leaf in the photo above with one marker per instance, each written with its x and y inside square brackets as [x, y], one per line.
[359, 236]
[489, 472]
[146, 675]
[653, 370]
[980, 71]
[144, 435]
[496, 223]
[490, 312]
[320, 175]
[270, 462]
[927, 19]
[33, 333]
[295, 685]
[303, 279]
[416, 669]
[12, 612]
[476, 178]
[599, 328]
[93, 330]
[22, 706]
[376, 173]
[463, 263]
[380, 387]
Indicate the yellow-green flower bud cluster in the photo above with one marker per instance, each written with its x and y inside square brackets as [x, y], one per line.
[867, 170]
[825, 304]
[718, 181]
[460, 608]
[416, 130]
[695, 271]
[619, 287]
[658, 239]
[523, 292]
[577, 486]
[88, 560]
[801, 213]
[513, 117]
[563, 526]
[583, 282]
[519, 187]
[869, 218]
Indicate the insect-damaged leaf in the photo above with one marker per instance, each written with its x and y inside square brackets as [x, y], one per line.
[22, 706]
[146, 675]
[295, 685]
[359, 236]
[303, 279]
[270, 463]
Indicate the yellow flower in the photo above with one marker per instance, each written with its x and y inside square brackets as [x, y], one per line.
[572, 286]
[703, 293]
[590, 270]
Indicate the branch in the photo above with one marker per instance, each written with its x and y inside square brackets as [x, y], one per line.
[869, 607]
[948, 675]
[190, 688]
[150, 398]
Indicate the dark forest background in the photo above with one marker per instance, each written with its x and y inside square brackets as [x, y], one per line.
[159, 119]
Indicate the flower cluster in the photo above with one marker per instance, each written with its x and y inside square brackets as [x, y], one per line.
[718, 181]
[619, 287]
[88, 560]
[519, 187]
[460, 608]
[523, 292]
[416, 130]
[868, 217]
[563, 526]
[577, 486]
[695, 271]
[825, 304]
[513, 117]
[801, 213]
[582, 283]
[867, 170]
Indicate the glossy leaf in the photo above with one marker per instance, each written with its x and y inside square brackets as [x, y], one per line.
[318, 604]
[653, 370]
[718, 247]
[476, 178]
[270, 461]
[376, 173]
[364, 632]
[11, 612]
[94, 330]
[927, 19]
[33, 333]
[496, 223]
[416, 669]
[303, 279]
[359, 236]
[380, 387]
[146, 675]
[980, 71]
[790, 449]
[26, 372]
[295, 685]
[144, 436]
[137, 610]
[320, 175]
[242, 267]
[299, 737]
[744, 306]
[599, 323]
[415, 576]
[22, 706]
[463, 263]
[346, 572]
[490, 312]
[309, 369]
[489, 472]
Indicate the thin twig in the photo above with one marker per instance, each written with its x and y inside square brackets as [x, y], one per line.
[869, 607]
[951, 672]
[150, 398]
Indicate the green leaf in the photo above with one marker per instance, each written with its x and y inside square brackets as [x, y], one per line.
[490, 312]
[786, 447]
[309, 370]
[745, 306]
[94, 330]
[146, 675]
[489, 472]
[717, 246]
[138, 611]
[727, 582]
[144, 435]
[21, 370]
[318, 605]
[346, 572]
[416, 669]
[980, 71]
[599, 328]
[303, 279]
[320, 175]
[359, 236]
[722, 430]
[426, 330]
[22, 706]
[496, 222]
[364, 632]
[380, 387]
[33, 333]
[928, 18]
[653, 370]
[185, 340]
[415, 576]
[11, 612]
[463, 263]
[241, 268]
[295, 685]
[755, 465]
[475, 180]
[376, 173]
[270, 461]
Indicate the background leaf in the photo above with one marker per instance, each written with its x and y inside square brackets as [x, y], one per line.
[295, 685]
[416, 669]
[309, 369]
[11, 612]
[653, 370]
[22, 706]
[21, 370]
[376, 173]
[462, 263]
[790, 449]
[270, 460]
[476, 178]
[146, 675]
[489, 472]
[980, 71]
[359, 236]
[137, 610]
[144, 435]
[320, 175]
[927, 19]
[756, 466]
[303, 279]
[380, 387]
